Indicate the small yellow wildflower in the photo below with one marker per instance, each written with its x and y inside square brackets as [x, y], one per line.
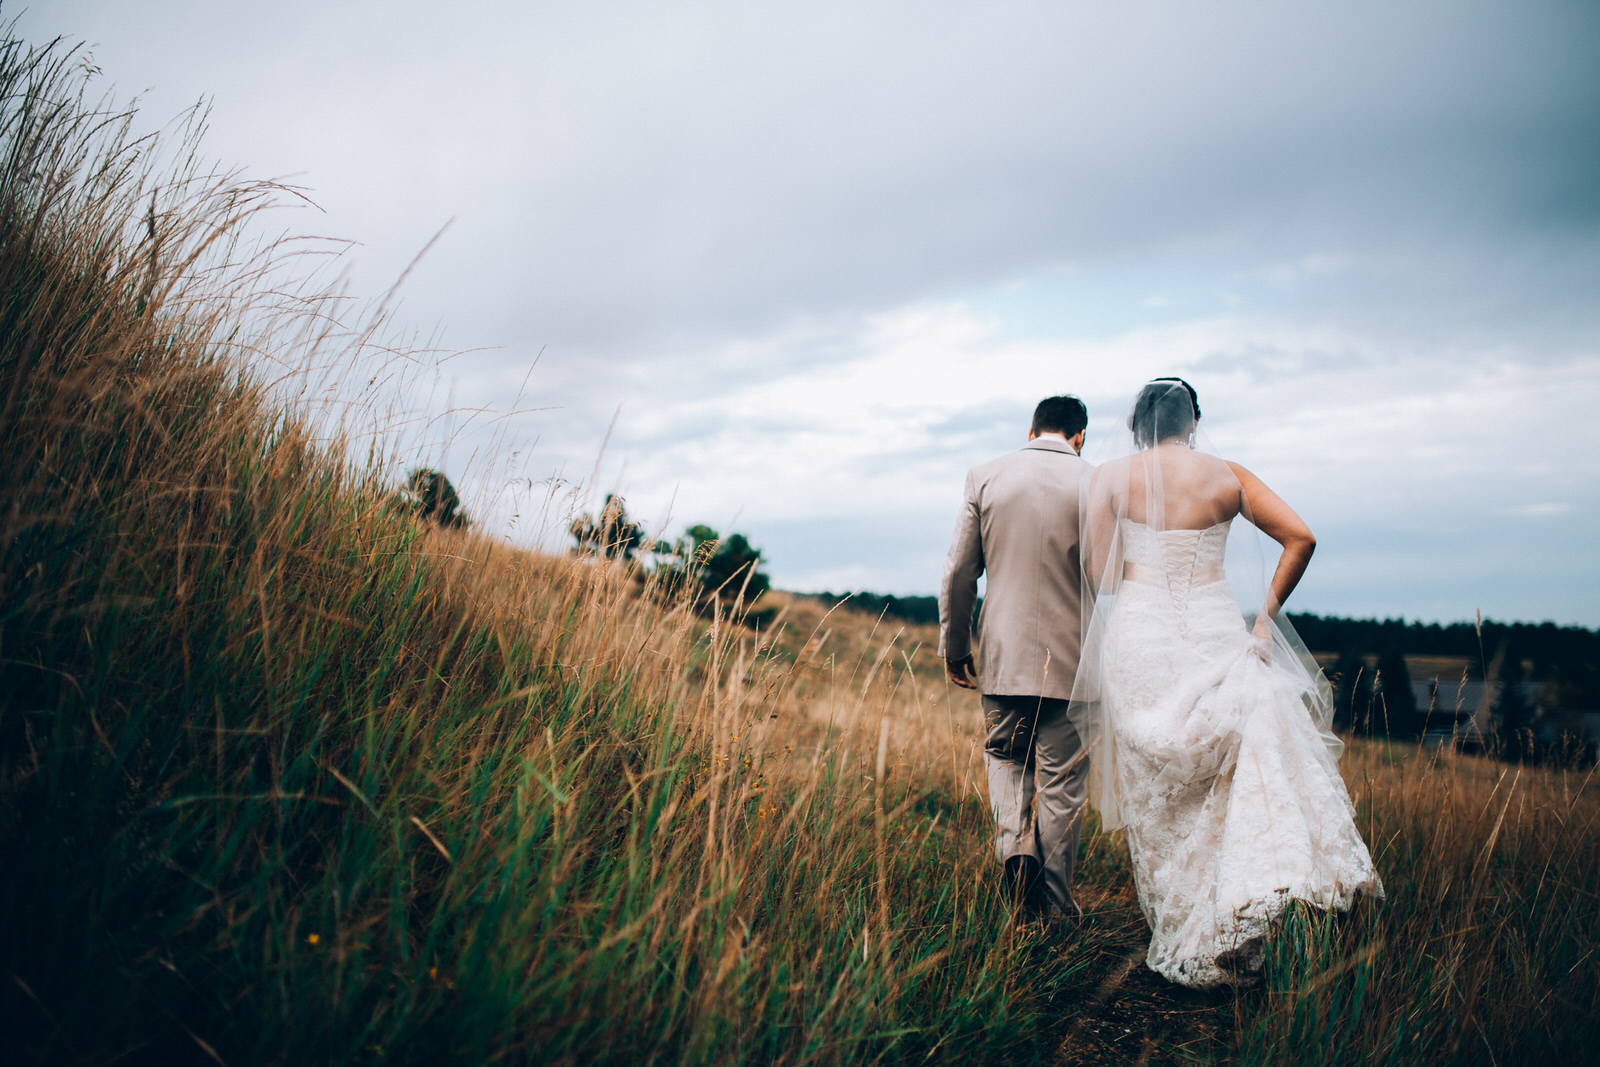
[312, 939]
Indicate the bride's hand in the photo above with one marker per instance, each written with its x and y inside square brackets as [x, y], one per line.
[1261, 638]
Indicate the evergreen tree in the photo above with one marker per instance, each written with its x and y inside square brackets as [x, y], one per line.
[1513, 716]
[1352, 693]
[1396, 701]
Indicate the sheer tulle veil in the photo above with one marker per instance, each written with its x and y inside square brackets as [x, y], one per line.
[1160, 473]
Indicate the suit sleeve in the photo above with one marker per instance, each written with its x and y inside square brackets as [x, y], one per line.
[958, 594]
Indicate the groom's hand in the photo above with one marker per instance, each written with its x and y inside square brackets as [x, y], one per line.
[959, 669]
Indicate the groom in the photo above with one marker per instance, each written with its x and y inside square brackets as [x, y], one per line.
[1019, 522]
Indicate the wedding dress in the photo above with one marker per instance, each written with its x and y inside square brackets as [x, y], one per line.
[1229, 791]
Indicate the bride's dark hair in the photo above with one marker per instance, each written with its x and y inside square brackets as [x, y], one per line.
[1166, 408]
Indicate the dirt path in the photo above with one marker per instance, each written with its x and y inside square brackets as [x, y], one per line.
[1134, 1016]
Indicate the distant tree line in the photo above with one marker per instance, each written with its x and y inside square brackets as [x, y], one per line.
[1565, 659]
[1549, 647]
[1544, 643]
[916, 610]
[1377, 698]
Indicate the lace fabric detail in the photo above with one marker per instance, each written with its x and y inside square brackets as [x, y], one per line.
[1233, 804]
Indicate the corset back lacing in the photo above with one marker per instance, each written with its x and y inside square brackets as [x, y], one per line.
[1172, 559]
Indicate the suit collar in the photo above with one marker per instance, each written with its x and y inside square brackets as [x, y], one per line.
[1051, 444]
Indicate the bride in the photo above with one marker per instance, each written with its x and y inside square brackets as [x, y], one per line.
[1213, 747]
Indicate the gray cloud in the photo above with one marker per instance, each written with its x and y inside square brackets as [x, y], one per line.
[702, 210]
[635, 174]
[1263, 363]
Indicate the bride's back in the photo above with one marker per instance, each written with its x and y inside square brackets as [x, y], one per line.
[1172, 487]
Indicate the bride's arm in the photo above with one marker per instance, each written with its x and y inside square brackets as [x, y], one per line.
[1278, 521]
[1099, 526]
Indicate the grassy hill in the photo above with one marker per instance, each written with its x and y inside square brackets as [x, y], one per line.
[286, 778]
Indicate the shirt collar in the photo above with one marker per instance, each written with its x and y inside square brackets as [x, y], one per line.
[1051, 444]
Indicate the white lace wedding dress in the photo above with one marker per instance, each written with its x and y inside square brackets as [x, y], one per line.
[1232, 801]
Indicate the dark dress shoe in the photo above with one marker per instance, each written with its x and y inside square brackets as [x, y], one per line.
[1244, 965]
[1019, 882]
[1056, 918]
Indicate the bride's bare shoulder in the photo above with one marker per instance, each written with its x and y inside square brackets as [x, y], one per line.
[1239, 472]
[1203, 468]
[1113, 467]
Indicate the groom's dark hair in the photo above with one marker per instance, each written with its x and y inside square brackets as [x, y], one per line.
[1064, 415]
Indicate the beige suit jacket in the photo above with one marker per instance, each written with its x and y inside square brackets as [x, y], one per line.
[1019, 523]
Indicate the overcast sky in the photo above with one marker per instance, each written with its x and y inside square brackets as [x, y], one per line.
[819, 259]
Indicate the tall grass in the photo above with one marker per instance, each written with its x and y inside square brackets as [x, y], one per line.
[285, 778]
[1484, 951]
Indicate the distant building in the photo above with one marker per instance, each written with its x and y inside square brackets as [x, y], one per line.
[1459, 712]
